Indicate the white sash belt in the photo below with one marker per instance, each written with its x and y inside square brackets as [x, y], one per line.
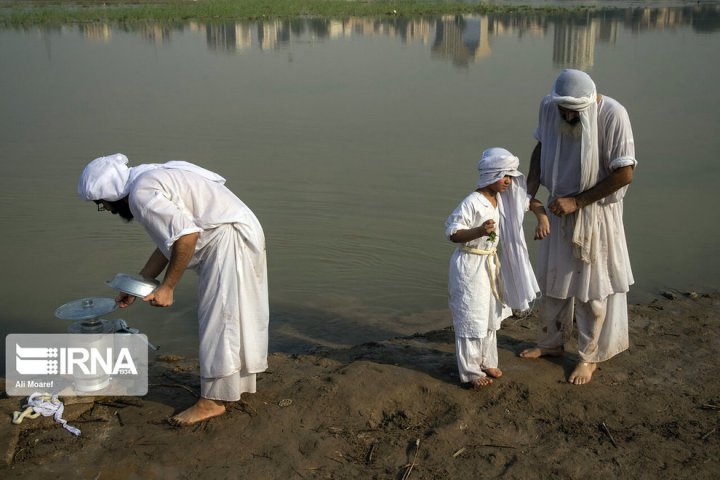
[493, 268]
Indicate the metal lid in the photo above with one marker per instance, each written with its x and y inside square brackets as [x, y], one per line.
[86, 308]
[133, 284]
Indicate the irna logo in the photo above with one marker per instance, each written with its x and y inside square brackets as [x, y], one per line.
[76, 364]
[73, 360]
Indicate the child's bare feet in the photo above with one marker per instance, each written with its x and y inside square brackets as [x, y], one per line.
[481, 382]
[202, 410]
[583, 373]
[537, 352]
[493, 372]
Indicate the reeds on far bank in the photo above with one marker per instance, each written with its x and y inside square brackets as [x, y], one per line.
[43, 12]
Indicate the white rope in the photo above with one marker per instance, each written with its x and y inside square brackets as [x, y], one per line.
[493, 268]
[45, 405]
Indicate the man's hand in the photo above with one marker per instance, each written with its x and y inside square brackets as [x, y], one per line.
[124, 299]
[563, 206]
[161, 297]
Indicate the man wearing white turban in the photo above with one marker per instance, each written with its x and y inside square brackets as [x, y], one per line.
[197, 223]
[585, 157]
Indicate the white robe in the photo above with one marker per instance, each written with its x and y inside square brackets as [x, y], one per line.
[560, 273]
[474, 308]
[229, 258]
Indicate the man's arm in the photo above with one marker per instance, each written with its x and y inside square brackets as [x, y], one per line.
[533, 185]
[155, 265]
[615, 181]
[180, 256]
[533, 177]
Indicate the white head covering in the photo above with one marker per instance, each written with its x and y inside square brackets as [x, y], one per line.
[575, 90]
[104, 178]
[494, 164]
[109, 178]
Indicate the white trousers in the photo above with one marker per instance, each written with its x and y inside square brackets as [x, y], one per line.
[228, 389]
[232, 305]
[475, 355]
[602, 325]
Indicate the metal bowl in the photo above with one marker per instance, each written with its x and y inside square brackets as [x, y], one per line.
[133, 284]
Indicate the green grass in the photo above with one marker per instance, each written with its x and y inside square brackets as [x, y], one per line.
[43, 12]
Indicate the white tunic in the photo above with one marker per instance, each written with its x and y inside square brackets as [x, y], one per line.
[229, 259]
[560, 273]
[474, 308]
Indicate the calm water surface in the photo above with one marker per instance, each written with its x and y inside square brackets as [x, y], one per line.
[351, 140]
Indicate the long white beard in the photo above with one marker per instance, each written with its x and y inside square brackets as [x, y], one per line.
[571, 130]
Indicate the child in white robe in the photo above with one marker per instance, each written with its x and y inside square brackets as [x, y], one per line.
[487, 225]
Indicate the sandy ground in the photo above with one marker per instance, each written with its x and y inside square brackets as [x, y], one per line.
[395, 410]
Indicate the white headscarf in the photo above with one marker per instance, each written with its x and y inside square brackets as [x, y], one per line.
[109, 178]
[518, 278]
[575, 90]
[494, 164]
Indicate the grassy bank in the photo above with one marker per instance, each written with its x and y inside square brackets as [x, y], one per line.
[39, 12]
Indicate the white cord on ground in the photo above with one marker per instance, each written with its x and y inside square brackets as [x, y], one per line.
[45, 405]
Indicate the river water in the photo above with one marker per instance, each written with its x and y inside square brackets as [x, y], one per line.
[352, 140]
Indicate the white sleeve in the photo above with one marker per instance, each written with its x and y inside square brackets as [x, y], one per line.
[620, 148]
[463, 217]
[165, 220]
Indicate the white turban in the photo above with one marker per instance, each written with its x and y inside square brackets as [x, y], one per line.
[104, 178]
[109, 178]
[494, 164]
[575, 90]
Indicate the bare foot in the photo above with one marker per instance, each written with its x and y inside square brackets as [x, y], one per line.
[537, 352]
[202, 410]
[481, 382]
[583, 373]
[493, 372]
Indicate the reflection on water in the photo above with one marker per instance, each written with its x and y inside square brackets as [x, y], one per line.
[351, 139]
[460, 39]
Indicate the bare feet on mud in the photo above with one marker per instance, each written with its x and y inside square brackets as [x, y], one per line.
[481, 382]
[537, 352]
[202, 410]
[493, 372]
[583, 373]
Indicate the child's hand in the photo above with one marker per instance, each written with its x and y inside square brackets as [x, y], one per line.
[489, 227]
[543, 228]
